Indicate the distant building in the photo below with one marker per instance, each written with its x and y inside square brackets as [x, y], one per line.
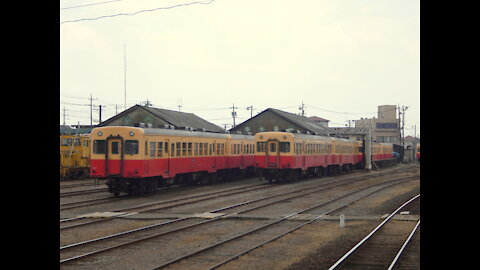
[320, 121]
[385, 128]
[277, 120]
[139, 115]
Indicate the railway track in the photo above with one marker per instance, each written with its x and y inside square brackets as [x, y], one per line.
[382, 247]
[126, 238]
[155, 206]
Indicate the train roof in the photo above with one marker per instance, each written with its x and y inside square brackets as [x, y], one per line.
[307, 136]
[171, 132]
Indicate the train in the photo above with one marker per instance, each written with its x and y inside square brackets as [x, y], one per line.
[283, 156]
[74, 156]
[417, 152]
[138, 160]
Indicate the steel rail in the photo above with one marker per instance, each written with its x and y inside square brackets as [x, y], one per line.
[278, 221]
[297, 227]
[403, 246]
[371, 233]
[235, 191]
[196, 224]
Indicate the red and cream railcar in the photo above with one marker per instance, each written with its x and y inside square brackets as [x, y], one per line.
[382, 154]
[288, 156]
[417, 152]
[138, 160]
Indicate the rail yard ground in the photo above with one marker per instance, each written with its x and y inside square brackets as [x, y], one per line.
[242, 224]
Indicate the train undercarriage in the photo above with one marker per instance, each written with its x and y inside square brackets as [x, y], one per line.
[140, 186]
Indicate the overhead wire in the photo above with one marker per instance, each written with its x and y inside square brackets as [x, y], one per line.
[138, 12]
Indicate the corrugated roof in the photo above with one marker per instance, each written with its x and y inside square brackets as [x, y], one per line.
[302, 121]
[174, 118]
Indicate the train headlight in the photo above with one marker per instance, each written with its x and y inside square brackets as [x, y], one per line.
[131, 133]
[99, 133]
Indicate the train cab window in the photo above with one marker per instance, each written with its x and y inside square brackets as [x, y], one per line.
[131, 147]
[114, 148]
[178, 149]
[152, 148]
[284, 147]
[99, 146]
[160, 149]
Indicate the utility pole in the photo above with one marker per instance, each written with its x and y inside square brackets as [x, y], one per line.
[251, 110]
[100, 114]
[404, 108]
[179, 103]
[64, 115]
[91, 109]
[234, 114]
[302, 109]
[125, 73]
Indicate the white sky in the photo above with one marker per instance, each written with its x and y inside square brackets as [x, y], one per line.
[342, 58]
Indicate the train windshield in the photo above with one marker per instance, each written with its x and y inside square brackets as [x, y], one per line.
[131, 147]
[99, 147]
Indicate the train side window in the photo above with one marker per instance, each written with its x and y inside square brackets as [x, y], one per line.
[189, 149]
[179, 145]
[172, 150]
[223, 148]
[166, 148]
[160, 149]
[234, 149]
[195, 149]
[210, 149]
[200, 152]
[114, 147]
[131, 147]
[205, 149]
[284, 147]
[214, 148]
[184, 149]
[99, 146]
[152, 148]
[260, 146]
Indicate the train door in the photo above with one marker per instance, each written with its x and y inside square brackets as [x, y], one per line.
[167, 156]
[214, 153]
[273, 154]
[114, 156]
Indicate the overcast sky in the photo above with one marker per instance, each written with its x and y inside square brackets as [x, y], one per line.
[341, 58]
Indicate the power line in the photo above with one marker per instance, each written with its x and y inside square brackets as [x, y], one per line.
[92, 4]
[137, 12]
